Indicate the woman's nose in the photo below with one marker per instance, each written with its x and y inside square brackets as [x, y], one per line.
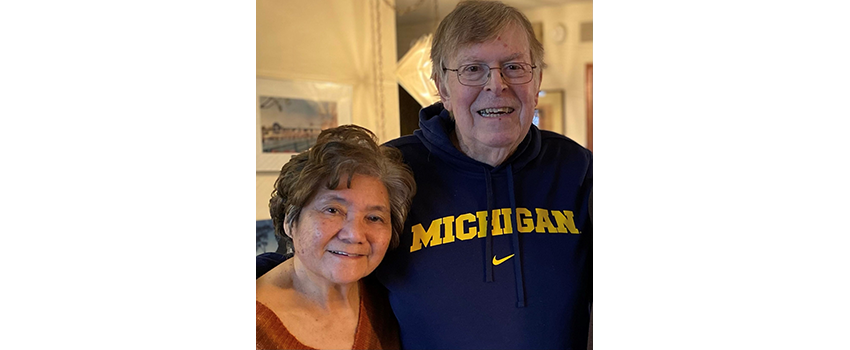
[354, 231]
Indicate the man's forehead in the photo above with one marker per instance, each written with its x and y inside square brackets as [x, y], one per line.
[513, 40]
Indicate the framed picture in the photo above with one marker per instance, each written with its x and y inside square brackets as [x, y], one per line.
[291, 114]
[266, 240]
[549, 114]
[589, 90]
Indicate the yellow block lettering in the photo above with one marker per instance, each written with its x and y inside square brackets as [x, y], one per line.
[524, 221]
[462, 233]
[447, 223]
[565, 221]
[543, 222]
[497, 225]
[506, 213]
[423, 238]
[482, 223]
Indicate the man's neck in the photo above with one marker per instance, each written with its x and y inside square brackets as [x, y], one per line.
[487, 155]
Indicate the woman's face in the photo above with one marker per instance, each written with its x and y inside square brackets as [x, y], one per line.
[343, 234]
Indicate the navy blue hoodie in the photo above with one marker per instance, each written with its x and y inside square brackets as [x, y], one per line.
[493, 257]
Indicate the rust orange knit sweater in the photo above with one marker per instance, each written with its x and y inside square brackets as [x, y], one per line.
[377, 328]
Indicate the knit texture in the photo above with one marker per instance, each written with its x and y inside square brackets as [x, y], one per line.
[376, 328]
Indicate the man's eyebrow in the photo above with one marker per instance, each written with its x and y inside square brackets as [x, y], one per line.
[503, 59]
[513, 57]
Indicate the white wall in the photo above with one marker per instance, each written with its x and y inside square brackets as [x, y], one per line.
[336, 41]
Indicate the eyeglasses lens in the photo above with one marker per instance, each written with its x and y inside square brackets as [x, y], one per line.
[479, 74]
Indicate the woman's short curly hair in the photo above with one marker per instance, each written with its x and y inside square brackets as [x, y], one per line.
[341, 152]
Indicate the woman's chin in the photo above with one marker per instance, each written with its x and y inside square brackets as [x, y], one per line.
[346, 277]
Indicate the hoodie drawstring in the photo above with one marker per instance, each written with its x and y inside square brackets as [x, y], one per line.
[488, 241]
[520, 286]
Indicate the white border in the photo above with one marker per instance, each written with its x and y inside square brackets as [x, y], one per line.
[305, 90]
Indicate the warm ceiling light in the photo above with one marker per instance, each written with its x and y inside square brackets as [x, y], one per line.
[413, 72]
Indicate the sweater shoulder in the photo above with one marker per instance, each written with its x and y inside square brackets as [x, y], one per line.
[271, 333]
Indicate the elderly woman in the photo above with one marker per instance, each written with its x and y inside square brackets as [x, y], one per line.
[342, 203]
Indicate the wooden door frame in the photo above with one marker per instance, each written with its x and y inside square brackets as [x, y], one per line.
[589, 90]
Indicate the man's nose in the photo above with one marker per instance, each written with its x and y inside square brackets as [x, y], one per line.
[496, 81]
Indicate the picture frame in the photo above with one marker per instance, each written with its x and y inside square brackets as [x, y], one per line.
[266, 240]
[589, 103]
[290, 115]
[549, 114]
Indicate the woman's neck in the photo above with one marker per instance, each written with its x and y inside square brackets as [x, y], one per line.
[319, 315]
[321, 293]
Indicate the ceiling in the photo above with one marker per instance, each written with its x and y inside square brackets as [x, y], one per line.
[420, 11]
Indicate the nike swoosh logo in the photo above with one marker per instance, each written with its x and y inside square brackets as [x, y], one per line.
[499, 261]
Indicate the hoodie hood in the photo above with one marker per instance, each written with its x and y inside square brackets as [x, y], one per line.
[436, 126]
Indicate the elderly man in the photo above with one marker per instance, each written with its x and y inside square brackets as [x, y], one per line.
[496, 250]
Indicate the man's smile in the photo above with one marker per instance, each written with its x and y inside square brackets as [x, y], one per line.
[495, 112]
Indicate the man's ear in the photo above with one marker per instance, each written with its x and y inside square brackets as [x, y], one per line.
[443, 89]
[539, 84]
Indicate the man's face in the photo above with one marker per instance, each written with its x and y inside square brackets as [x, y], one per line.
[494, 117]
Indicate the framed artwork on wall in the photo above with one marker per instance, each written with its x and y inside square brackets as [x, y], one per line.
[266, 240]
[291, 114]
[549, 114]
[589, 89]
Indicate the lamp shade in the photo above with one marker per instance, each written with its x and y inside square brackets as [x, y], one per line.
[413, 72]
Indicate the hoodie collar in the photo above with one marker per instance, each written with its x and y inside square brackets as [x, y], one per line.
[435, 126]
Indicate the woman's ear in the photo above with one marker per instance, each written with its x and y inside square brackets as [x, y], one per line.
[287, 227]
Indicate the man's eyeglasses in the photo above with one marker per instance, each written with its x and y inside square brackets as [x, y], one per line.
[479, 74]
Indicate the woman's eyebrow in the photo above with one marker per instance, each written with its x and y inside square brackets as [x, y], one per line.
[381, 208]
[331, 197]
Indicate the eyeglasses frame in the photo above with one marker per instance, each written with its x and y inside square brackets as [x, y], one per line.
[490, 73]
